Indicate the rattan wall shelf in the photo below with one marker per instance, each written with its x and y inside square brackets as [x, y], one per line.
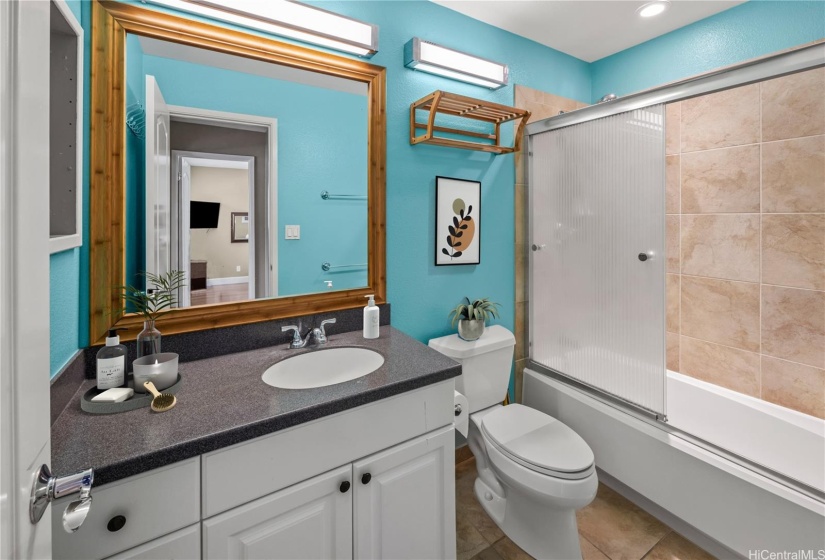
[469, 108]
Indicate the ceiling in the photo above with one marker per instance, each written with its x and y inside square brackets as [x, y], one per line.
[586, 29]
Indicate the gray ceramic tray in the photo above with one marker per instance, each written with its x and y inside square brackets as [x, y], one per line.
[138, 400]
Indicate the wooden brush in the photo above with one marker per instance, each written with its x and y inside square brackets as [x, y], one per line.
[162, 401]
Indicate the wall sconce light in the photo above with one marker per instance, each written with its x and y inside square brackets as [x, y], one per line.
[435, 59]
[287, 19]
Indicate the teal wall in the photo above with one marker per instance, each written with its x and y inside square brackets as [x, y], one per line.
[421, 293]
[321, 145]
[753, 29]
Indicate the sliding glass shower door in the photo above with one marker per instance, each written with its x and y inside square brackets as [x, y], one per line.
[597, 266]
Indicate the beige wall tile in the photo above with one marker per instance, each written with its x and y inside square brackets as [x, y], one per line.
[794, 386]
[675, 547]
[721, 311]
[794, 105]
[672, 252]
[734, 369]
[793, 250]
[672, 299]
[721, 246]
[724, 180]
[793, 175]
[673, 114]
[672, 185]
[673, 363]
[793, 325]
[720, 120]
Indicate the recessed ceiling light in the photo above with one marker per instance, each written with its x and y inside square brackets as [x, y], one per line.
[653, 8]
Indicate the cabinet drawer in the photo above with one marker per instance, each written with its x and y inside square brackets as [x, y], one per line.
[287, 457]
[155, 503]
[180, 545]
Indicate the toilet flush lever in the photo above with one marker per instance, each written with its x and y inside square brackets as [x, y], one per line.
[47, 488]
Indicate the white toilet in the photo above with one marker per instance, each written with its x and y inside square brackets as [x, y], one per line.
[533, 471]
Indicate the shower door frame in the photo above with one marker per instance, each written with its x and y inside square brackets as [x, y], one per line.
[776, 65]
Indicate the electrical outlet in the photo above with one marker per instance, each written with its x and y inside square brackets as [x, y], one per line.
[292, 232]
[238, 268]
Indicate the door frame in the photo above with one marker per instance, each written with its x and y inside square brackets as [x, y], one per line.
[24, 272]
[257, 123]
[181, 197]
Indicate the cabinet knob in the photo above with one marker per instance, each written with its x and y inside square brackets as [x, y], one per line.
[344, 488]
[116, 523]
[366, 478]
[643, 257]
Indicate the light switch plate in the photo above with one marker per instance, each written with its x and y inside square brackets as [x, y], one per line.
[292, 232]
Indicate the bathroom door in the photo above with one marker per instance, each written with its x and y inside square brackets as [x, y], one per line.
[24, 273]
[597, 211]
[158, 176]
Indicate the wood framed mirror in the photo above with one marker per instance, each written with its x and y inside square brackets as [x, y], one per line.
[113, 215]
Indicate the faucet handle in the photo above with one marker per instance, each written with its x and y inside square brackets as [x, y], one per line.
[326, 322]
[296, 334]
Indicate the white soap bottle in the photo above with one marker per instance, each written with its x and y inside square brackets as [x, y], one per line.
[111, 363]
[371, 318]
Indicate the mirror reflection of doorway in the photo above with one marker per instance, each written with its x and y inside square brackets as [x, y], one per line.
[212, 188]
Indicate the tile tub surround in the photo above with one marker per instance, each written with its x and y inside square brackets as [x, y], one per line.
[541, 106]
[746, 239]
[223, 401]
[610, 528]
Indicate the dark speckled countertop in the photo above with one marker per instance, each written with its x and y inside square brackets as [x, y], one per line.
[223, 401]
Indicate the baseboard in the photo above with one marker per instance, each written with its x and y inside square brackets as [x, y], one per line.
[228, 280]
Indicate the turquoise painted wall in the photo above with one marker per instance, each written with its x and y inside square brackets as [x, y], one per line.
[753, 29]
[68, 270]
[421, 293]
[321, 145]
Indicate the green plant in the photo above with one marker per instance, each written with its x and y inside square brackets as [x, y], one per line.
[480, 309]
[160, 294]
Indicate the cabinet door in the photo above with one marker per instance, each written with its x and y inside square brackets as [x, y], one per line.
[310, 520]
[180, 545]
[405, 500]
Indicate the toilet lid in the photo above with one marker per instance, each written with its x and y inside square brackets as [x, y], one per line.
[537, 439]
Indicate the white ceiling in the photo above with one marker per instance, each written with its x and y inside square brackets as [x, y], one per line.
[586, 29]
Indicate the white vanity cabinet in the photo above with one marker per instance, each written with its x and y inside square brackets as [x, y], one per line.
[376, 481]
[310, 520]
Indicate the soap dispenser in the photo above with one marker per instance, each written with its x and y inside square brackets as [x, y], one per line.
[111, 363]
[371, 318]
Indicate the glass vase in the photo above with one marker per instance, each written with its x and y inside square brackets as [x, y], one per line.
[148, 341]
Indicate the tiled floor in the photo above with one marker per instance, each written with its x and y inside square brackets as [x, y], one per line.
[609, 528]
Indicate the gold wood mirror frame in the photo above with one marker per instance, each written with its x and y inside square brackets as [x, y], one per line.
[110, 22]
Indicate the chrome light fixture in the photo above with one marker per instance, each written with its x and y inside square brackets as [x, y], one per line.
[435, 59]
[287, 19]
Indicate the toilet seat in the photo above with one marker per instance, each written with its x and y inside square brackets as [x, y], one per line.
[538, 442]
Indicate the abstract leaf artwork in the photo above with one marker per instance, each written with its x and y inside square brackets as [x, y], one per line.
[458, 238]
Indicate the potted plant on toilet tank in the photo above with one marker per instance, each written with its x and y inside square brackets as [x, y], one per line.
[472, 316]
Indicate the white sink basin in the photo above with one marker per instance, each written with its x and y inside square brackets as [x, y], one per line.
[322, 367]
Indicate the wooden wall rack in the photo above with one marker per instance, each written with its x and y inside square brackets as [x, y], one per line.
[469, 108]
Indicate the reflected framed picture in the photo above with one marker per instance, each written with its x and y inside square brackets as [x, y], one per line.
[240, 227]
[457, 221]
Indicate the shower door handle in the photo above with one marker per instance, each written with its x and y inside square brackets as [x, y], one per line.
[538, 247]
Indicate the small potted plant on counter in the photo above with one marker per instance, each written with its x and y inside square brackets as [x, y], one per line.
[472, 316]
[159, 297]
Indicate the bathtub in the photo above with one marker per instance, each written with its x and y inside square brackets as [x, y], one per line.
[728, 506]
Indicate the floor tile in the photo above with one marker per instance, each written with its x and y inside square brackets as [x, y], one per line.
[488, 553]
[467, 505]
[589, 550]
[675, 547]
[618, 528]
[508, 550]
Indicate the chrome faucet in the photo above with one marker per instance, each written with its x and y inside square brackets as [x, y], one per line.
[318, 334]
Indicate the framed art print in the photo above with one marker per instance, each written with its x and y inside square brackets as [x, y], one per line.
[457, 221]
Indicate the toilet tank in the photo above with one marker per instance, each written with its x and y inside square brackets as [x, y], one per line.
[485, 365]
